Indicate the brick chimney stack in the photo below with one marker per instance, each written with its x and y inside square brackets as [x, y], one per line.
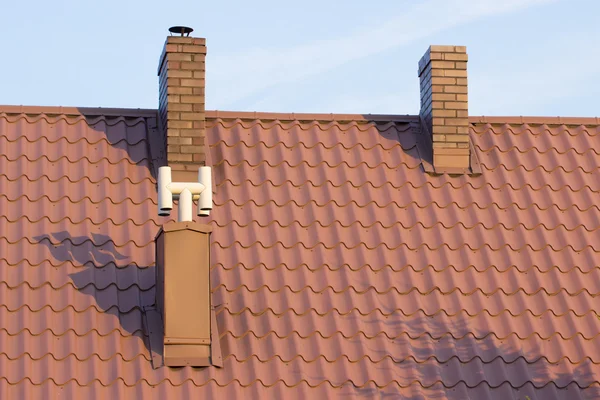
[444, 106]
[181, 104]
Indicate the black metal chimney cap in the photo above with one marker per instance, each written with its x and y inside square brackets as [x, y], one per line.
[182, 30]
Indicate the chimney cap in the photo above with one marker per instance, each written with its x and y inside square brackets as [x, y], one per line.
[182, 30]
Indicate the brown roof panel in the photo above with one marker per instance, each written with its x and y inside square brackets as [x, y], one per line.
[339, 267]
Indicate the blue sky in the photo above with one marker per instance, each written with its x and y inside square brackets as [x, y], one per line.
[526, 57]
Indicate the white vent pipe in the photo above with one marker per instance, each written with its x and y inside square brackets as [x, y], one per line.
[185, 192]
[165, 197]
[184, 212]
[205, 200]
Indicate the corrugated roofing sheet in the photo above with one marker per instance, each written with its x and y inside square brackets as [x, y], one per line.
[339, 268]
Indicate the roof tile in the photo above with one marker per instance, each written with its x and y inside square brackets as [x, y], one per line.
[339, 267]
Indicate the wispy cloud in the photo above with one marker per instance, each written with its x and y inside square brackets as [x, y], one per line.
[551, 76]
[237, 76]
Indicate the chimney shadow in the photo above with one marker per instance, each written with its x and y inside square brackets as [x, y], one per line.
[119, 288]
[404, 131]
[136, 132]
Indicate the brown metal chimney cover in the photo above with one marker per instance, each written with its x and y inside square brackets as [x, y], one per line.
[183, 294]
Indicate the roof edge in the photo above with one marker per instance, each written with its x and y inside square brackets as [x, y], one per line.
[76, 111]
[535, 120]
[210, 114]
[214, 114]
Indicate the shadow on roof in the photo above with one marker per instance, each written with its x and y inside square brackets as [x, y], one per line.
[136, 133]
[444, 351]
[118, 288]
[404, 132]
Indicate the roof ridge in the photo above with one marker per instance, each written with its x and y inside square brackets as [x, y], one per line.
[542, 120]
[79, 111]
[366, 117]
[325, 117]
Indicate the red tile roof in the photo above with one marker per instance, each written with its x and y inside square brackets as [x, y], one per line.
[339, 267]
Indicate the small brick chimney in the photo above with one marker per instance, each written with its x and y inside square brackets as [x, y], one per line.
[444, 106]
[181, 104]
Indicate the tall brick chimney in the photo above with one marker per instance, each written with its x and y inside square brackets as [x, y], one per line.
[183, 294]
[444, 106]
[181, 104]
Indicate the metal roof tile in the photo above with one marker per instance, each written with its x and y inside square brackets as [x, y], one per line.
[338, 266]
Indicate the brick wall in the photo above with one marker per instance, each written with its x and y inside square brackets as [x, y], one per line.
[181, 103]
[444, 104]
